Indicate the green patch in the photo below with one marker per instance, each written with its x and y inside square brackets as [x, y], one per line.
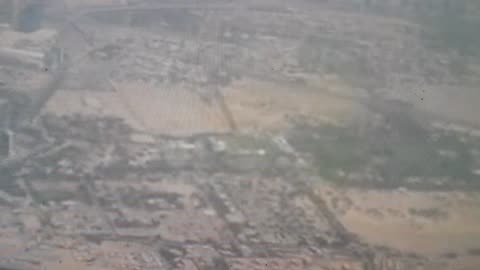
[10, 186]
[53, 195]
[455, 27]
[333, 148]
[240, 143]
[247, 153]
[459, 167]
[338, 152]
[430, 213]
[136, 198]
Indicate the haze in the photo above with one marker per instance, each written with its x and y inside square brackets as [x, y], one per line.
[235, 135]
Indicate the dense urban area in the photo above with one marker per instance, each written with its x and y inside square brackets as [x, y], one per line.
[235, 135]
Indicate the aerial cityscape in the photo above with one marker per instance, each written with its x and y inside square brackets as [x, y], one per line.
[239, 135]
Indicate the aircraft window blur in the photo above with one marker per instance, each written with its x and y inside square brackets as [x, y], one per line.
[235, 135]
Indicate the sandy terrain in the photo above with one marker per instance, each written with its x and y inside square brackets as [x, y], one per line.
[429, 223]
[121, 255]
[266, 105]
[90, 103]
[255, 105]
[172, 111]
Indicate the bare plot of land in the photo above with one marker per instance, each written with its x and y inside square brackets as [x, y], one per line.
[432, 223]
[266, 105]
[161, 111]
[175, 111]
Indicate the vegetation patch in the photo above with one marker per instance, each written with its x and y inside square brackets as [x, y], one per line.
[430, 213]
[53, 195]
[342, 155]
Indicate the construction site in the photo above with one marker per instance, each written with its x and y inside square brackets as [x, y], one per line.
[234, 135]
